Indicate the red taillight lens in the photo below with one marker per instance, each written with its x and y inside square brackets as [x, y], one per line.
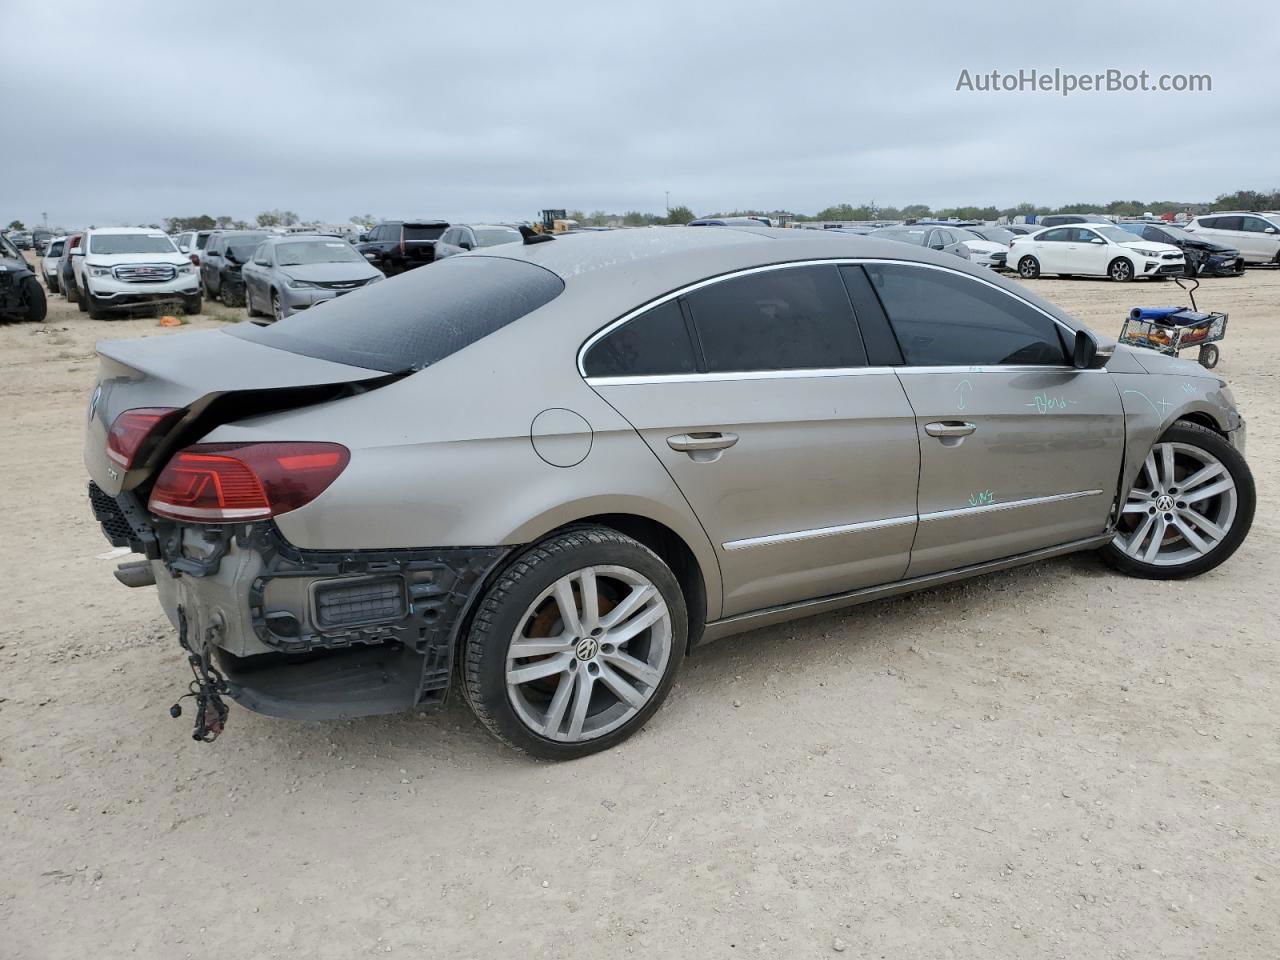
[195, 259]
[131, 430]
[217, 482]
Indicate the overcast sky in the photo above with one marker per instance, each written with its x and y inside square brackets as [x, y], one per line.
[130, 112]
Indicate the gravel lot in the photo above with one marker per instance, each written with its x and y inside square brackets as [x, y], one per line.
[1051, 762]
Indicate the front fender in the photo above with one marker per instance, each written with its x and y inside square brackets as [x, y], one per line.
[1152, 403]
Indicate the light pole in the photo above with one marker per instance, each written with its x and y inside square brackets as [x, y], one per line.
[668, 193]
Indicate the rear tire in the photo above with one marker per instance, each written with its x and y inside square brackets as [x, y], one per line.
[192, 306]
[248, 303]
[1029, 268]
[574, 601]
[1170, 529]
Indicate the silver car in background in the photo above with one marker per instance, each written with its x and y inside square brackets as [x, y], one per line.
[546, 471]
[462, 237]
[295, 272]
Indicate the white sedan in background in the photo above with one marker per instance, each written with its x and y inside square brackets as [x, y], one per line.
[1093, 250]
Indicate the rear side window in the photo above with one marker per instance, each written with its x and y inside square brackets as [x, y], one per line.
[654, 343]
[414, 320]
[943, 318]
[796, 318]
[1229, 223]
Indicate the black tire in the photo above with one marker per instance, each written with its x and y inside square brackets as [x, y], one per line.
[52, 284]
[1029, 268]
[500, 610]
[230, 295]
[1066, 276]
[1214, 443]
[1120, 270]
[81, 298]
[1208, 356]
[92, 307]
[248, 303]
[192, 306]
[35, 307]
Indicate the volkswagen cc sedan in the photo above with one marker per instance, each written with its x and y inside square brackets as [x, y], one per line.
[544, 472]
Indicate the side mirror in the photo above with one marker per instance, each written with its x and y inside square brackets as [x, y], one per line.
[465, 245]
[371, 256]
[363, 238]
[1097, 240]
[1087, 354]
[1270, 230]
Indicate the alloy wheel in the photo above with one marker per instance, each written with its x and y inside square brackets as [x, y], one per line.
[275, 306]
[1181, 507]
[1121, 270]
[589, 654]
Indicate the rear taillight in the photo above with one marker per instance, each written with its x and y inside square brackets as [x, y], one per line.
[135, 429]
[218, 482]
[195, 260]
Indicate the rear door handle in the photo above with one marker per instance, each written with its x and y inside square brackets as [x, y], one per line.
[949, 428]
[693, 442]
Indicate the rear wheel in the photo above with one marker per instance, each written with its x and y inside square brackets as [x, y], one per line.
[1121, 270]
[576, 645]
[1190, 508]
[1029, 268]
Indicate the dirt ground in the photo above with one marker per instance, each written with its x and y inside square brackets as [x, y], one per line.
[1051, 762]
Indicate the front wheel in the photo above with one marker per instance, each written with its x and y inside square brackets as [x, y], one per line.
[34, 304]
[1029, 268]
[576, 644]
[1121, 270]
[192, 305]
[1190, 508]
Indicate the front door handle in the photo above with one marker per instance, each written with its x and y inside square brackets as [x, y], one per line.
[949, 428]
[694, 442]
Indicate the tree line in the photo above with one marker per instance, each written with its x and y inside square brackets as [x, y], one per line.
[1239, 200]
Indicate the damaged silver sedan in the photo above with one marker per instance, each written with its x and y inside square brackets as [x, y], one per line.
[544, 472]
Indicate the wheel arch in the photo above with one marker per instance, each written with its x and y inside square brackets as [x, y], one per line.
[700, 585]
[1202, 418]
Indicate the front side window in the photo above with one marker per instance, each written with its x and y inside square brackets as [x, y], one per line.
[1255, 225]
[943, 318]
[796, 318]
[654, 343]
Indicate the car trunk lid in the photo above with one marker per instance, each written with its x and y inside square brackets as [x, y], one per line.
[211, 378]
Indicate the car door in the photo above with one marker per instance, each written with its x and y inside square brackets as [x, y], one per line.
[1088, 251]
[1050, 250]
[209, 264]
[1018, 449]
[1259, 239]
[799, 458]
[257, 275]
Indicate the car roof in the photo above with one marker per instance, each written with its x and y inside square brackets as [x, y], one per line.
[290, 237]
[613, 272]
[486, 226]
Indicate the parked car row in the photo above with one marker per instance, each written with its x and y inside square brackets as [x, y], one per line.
[20, 295]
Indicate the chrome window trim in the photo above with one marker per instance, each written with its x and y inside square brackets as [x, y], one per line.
[1010, 505]
[816, 533]
[799, 372]
[746, 375]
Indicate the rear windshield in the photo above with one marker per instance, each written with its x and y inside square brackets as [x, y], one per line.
[413, 320]
[55, 248]
[131, 243]
[414, 232]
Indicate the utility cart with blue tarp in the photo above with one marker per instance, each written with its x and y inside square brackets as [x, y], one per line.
[1171, 329]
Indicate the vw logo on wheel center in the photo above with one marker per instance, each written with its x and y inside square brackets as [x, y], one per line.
[1164, 503]
[587, 648]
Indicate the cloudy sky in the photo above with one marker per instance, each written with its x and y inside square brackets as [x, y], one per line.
[129, 112]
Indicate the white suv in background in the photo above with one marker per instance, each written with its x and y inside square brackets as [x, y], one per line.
[128, 266]
[1255, 235]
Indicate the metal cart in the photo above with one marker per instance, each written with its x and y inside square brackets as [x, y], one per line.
[1171, 329]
